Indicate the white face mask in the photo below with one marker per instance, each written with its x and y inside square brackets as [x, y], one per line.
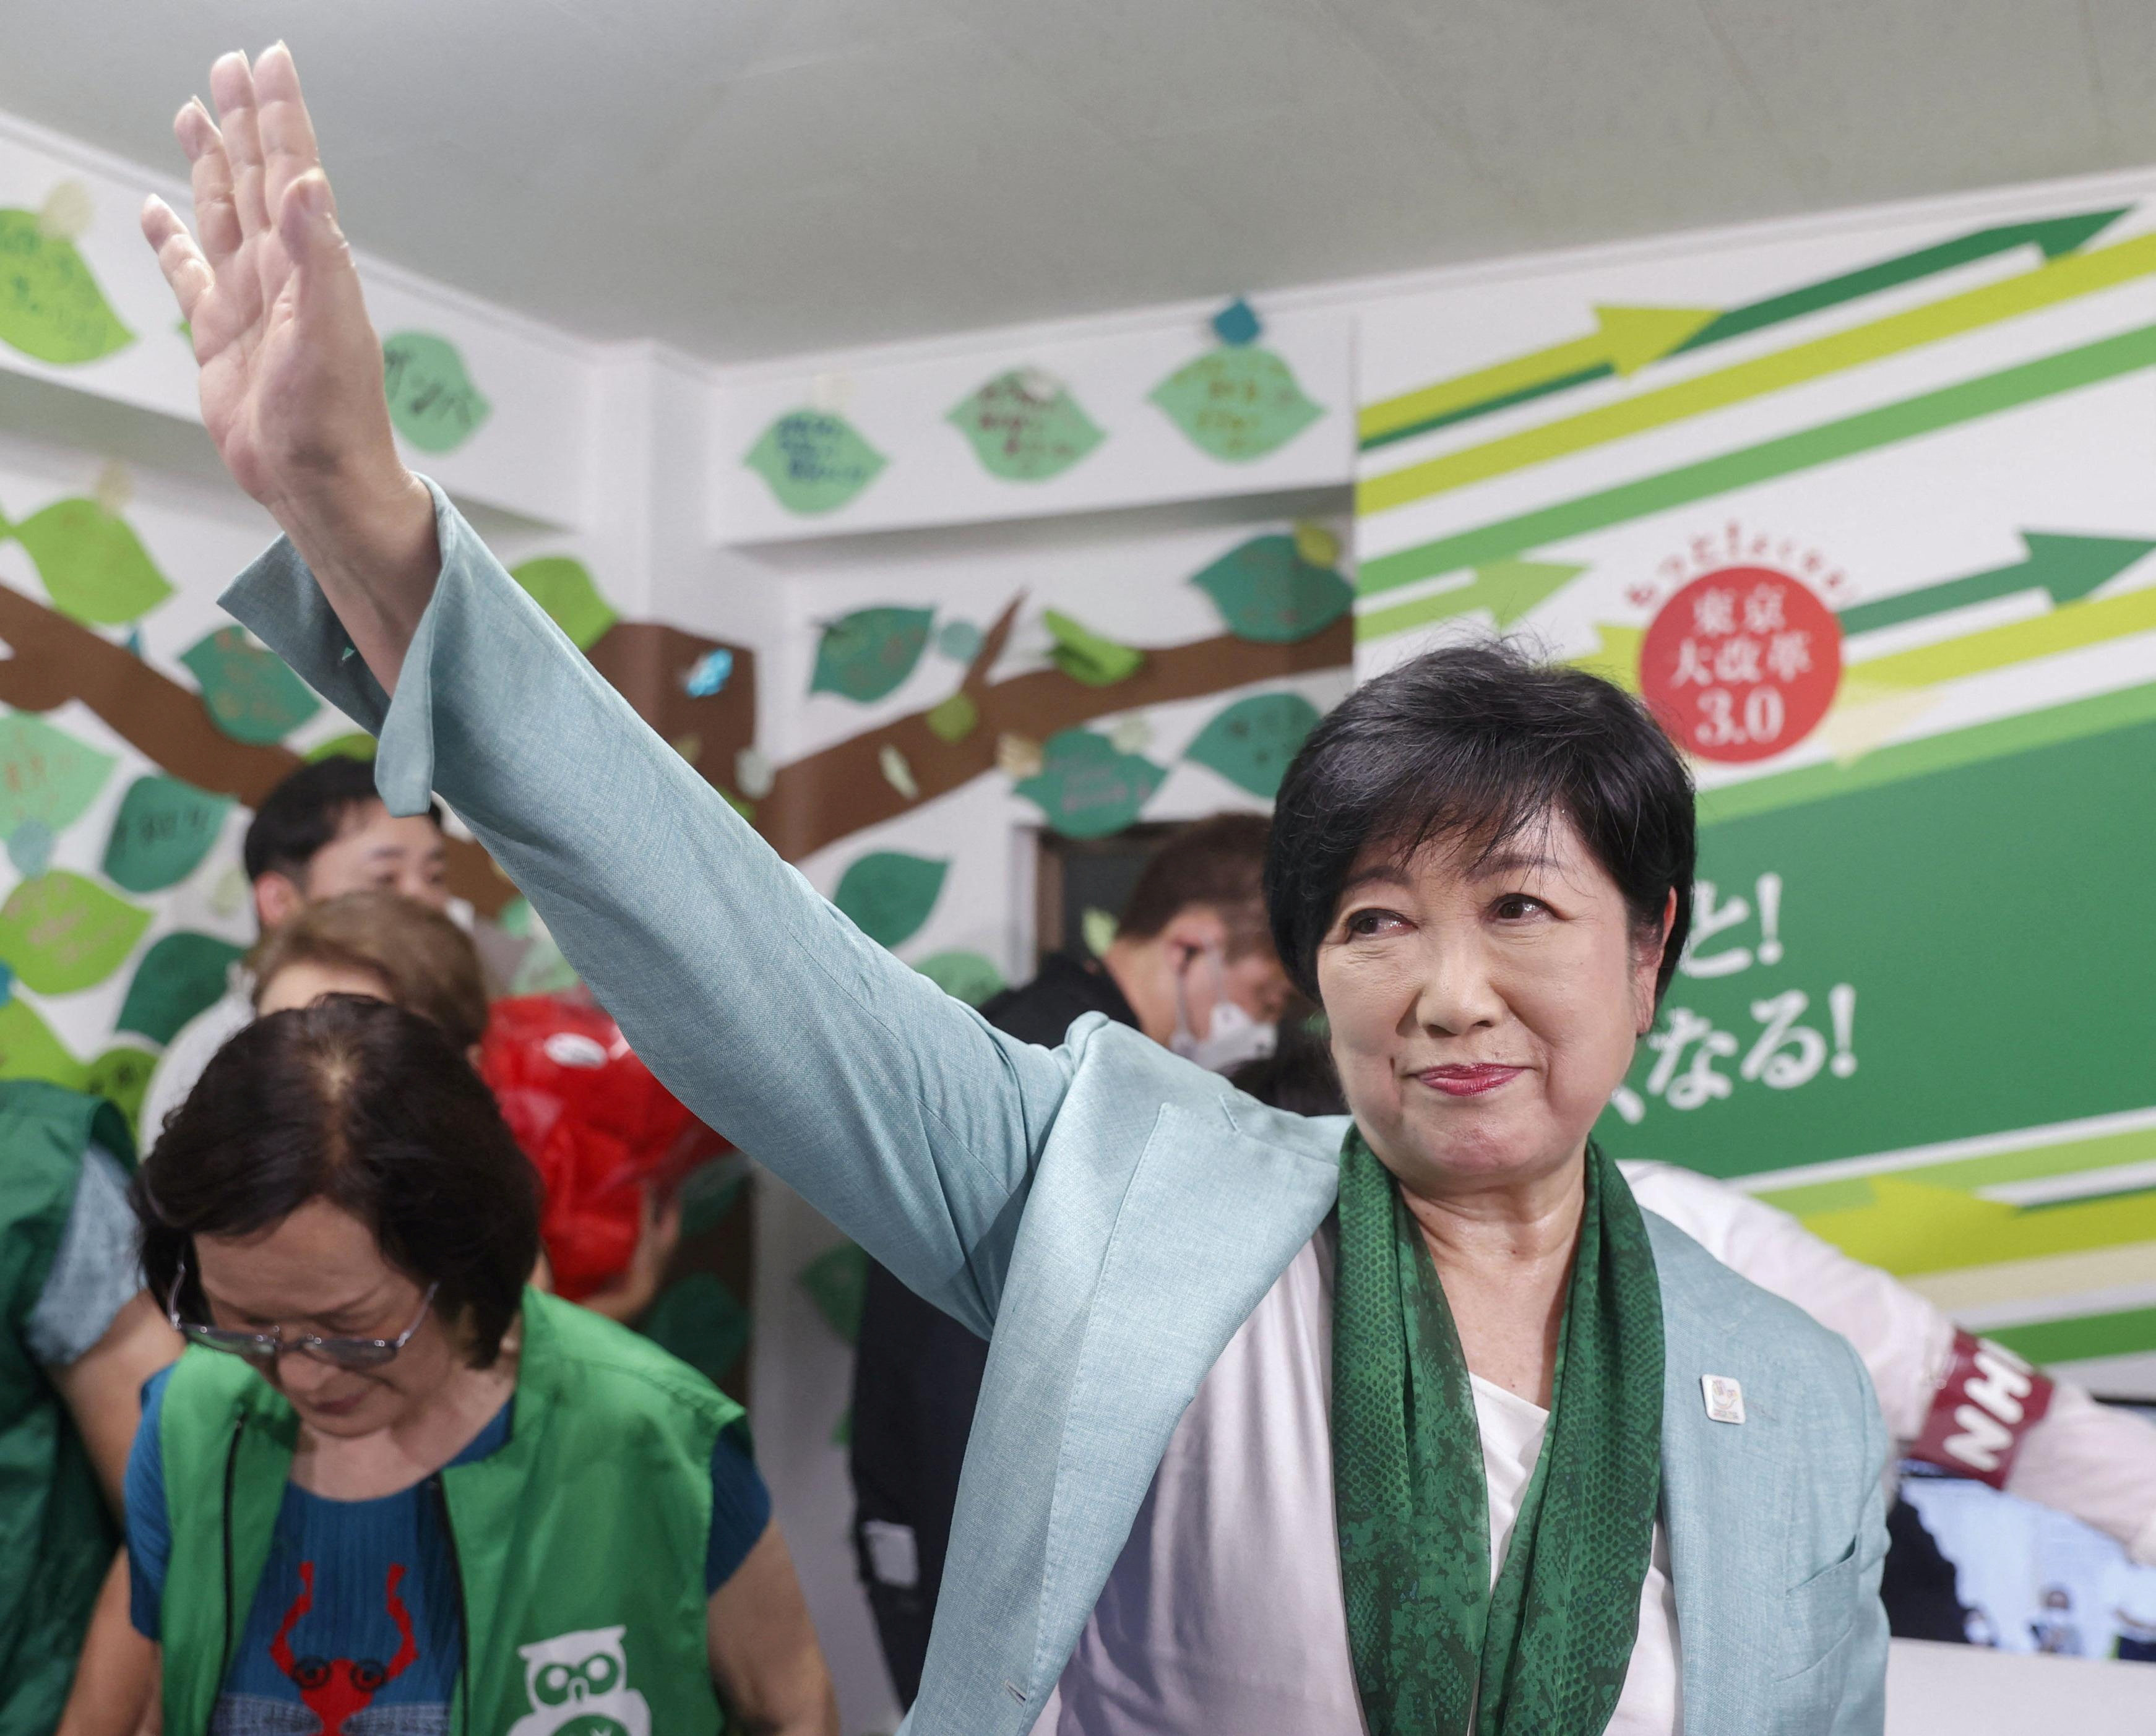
[1234, 1035]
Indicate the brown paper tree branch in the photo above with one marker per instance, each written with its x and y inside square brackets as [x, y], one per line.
[841, 789]
[57, 659]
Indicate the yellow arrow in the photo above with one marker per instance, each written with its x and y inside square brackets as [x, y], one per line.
[1624, 339]
[1615, 656]
[2061, 280]
[1910, 1227]
[2067, 627]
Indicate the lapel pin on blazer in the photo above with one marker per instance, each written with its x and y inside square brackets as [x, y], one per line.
[1725, 1398]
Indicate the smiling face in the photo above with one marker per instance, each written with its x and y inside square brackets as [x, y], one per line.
[1483, 1011]
[320, 1270]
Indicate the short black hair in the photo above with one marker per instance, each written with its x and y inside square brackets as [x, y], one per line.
[1219, 863]
[307, 811]
[1476, 742]
[1298, 1076]
[373, 1109]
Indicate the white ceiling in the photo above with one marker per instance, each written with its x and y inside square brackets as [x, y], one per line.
[749, 177]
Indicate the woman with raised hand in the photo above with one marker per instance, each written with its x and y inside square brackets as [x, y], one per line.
[1409, 1423]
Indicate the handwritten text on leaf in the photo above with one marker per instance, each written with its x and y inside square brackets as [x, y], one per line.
[1268, 591]
[432, 399]
[249, 692]
[814, 461]
[1237, 404]
[60, 932]
[1086, 788]
[1024, 428]
[866, 654]
[50, 306]
[1251, 743]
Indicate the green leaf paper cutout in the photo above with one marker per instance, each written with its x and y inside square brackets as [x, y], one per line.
[28, 1050]
[353, 744]
[50, 306]
[965, 976]
[1086, 788]
[432, 399]
[122, 1075]
[866, 654]
[93, 565]
[563, 586]
[1023, 435]
[46, 775]
[1265, 591]
[814, 461]
[699, 1320]
[160, 834]
[178, 976]
[61, 932]
[1084, 656]
[954, 718]
[1237, 404]
[250, 694]
[1252, 742]
[888, 895]
[836, 1282]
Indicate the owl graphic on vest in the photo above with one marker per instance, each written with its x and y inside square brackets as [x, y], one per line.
[579, 1686]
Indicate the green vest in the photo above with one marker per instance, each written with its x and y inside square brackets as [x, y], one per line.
[578, 1544]
[56, 1534]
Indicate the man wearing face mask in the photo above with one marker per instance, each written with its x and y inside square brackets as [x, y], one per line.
[1193, 967]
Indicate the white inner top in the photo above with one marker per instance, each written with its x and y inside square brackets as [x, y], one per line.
[1226, 1612]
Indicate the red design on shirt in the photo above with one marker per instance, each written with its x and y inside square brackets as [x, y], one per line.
[336, 1688]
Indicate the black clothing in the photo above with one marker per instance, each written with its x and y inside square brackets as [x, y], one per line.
[917, 1375]
[1918, 1585]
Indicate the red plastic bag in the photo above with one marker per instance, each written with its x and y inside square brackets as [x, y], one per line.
[597, 1126]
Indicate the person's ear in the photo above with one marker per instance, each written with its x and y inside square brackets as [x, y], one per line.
[1194, 928]
[1647, 968]
[278, 899]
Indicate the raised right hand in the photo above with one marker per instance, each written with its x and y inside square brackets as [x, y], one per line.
[291, 368]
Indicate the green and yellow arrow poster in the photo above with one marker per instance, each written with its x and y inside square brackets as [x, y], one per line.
[1876, 540]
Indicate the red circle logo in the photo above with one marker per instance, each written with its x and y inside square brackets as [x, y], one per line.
[1741, 665]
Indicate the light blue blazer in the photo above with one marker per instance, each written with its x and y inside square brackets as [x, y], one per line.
[1106, 1213]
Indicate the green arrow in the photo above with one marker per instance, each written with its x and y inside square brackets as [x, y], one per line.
[2069, 567]
[1868, 430]
[1624, 339]
[1565, 365]
[1508, 589]
[2054, 236]
[2061, 280]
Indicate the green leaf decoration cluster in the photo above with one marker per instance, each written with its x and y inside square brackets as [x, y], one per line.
[1023, 427]
[432, 403]
[814, 461]
[1086, 788]
[62, 932]
[51, 308]
[91, 563]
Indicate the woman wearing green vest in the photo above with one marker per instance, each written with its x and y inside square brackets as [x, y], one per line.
[389, 1479]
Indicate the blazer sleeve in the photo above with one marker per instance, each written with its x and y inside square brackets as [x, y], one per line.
[1863, 1708]
[895, 1109]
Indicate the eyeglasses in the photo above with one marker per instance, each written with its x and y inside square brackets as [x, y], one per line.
[266, 1347]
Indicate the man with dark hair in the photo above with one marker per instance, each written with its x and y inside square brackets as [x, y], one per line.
[1193, 967]
[320, 832]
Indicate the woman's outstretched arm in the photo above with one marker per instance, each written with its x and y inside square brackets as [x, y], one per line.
[898, 1111]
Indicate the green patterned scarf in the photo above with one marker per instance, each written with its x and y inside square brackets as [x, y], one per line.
[1438, 1650]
